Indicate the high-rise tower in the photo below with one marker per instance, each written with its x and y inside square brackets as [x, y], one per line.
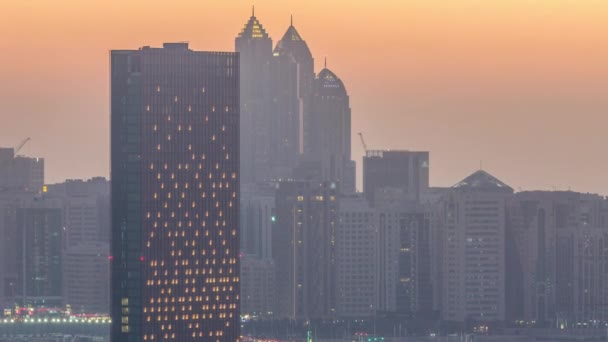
[175, 156]
[328, 141]
[303, 248]
[255, 49]
[473, 225]
[292, 80]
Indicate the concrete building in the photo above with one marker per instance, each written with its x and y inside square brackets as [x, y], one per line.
[257, 286]
[10, 201]
[396, 169]
[555, 273]
[356, 258]
[86, 277]
[175, 194]
[39, 250]
[257, 216]
[86, 209]
[403, 257]
[19, 172]
[473, 221]
[303, 249]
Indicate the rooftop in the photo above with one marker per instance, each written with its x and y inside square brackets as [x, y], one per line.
[253, 28]
[482, 181]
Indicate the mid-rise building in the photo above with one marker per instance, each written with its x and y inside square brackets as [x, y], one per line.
[39, 251]
[396, 169]
[21, 179]
[356, 258]
[257, 217]
[303, 249]
[473, 223]
[86, 209]
[257, 286]
[555, 275]
[403, 258]
[175, 186]
[86, 277]
[19, 172]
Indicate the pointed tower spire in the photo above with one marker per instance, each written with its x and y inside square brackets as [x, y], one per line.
[253, 10]
[292, 20]
[325, 62]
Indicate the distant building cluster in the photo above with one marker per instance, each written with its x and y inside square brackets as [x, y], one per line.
[314, 248]
[55, 239]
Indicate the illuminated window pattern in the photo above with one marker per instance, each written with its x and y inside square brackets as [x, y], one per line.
[186, 241]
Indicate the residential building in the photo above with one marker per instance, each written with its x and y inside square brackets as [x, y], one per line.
[303, 249]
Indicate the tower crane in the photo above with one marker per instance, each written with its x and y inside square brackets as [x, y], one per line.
[20, 146]
[363, 142]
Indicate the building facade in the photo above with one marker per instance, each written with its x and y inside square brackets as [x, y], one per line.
[86, 209]
[258, 286]
[39, 251]
[329, 136]
[356, 257]
[557, 270]
[255, 49]
[473, 223]
[175, 186]
[303, 248]
[292, 76]
[86, 277]
[257, 216]
[396, 169]
[20, 173]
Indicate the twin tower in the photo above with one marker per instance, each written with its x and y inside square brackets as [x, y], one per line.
[295, 124]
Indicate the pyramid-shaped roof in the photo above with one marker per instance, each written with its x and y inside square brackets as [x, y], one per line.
[253, 29]
[292, 35]
[293, 44]
[482, 181]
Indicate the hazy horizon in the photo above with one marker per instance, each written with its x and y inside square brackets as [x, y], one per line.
[519, 86]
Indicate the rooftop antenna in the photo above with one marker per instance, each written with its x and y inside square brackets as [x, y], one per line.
[253, 10]
[292, 20]
[325, 62]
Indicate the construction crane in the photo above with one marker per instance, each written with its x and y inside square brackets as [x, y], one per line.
[20, 146]
[8, 162]
[363, 142]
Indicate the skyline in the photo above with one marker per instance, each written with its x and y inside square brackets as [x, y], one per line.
[436, 65]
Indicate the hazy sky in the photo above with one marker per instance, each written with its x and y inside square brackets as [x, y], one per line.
[519, 84]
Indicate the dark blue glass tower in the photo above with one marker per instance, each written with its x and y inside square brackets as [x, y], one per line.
[175, 185]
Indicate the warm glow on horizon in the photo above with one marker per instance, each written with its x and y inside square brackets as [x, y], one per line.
[521, 85]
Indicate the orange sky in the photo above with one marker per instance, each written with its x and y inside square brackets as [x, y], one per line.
[519, 84]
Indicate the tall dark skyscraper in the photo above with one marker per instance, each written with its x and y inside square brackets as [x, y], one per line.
[406, 170]
[329, 136]
[292, 81]
[39, 252]
[255, 49]
[175, 185]
[303, 247]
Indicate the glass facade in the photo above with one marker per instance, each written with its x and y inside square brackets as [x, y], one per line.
[175, 185]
